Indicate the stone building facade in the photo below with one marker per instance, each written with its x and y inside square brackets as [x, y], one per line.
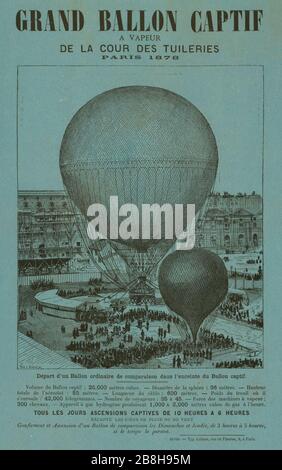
[49, 237]
[231, 223]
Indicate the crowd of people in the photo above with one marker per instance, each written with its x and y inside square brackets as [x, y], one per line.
[215, 340]
[140, 353]
[110, 337]
[234, 309]
[84, 346]
[140, 348]
[144, 314]
[190, 355]
[242, 363]
[68, 293]
[41, 284]
[196, 354]
[92, 315]
[122, 330]
[249, 276]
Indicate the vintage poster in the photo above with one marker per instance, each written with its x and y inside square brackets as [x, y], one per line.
[141, 226]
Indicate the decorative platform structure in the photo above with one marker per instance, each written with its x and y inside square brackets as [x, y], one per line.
[50, 303]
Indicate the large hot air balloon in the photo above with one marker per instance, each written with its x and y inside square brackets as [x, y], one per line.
[193, 283]
[142, 144]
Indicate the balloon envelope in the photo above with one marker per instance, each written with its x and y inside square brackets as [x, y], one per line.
[142, 144]
[193, 283]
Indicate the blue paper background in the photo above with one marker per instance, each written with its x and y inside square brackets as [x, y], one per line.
[259, 49]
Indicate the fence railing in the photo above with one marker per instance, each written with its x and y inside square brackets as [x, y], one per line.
[83, 276]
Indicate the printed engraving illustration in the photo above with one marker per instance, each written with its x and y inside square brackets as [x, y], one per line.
[106, 300]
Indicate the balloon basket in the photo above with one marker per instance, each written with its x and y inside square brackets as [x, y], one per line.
[141, 290]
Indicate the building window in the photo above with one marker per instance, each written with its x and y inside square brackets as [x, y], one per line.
[227, 241]
[241, 240]
[42, 251]
[213, 241]
[255, 240]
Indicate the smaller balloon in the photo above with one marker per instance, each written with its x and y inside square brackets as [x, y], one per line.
[193, 283]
